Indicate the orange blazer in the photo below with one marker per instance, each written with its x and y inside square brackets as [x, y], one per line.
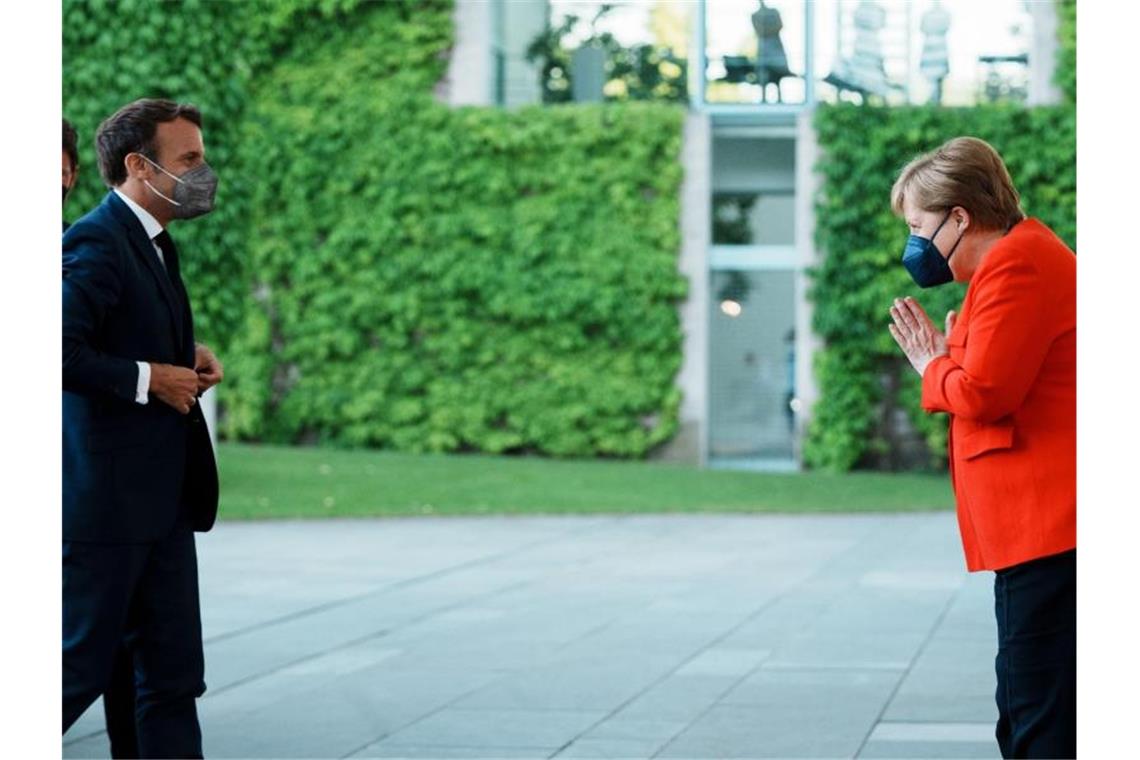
[1010, 387]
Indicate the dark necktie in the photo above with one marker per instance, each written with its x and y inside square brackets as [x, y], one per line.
[169, 254]
[170, 257]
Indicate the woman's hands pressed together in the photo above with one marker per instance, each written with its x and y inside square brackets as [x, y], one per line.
[916, 335]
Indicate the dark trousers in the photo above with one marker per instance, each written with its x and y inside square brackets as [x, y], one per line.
[145, 595]
[1036, 606]
[119, 707]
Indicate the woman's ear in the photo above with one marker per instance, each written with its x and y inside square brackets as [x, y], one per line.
[961, 219]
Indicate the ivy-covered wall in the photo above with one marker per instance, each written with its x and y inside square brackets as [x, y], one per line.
[204, 52]
[383, 270]
[865, 383]
[863, 377]
[116, 52]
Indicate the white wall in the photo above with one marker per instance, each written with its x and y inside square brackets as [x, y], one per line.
[696, 232]
[1043, 55]
[481, 27]
[808, 343]
[470, 73]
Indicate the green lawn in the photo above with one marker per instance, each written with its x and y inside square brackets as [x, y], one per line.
[272, 482]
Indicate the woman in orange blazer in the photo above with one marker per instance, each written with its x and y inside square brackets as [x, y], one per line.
[1006, 373]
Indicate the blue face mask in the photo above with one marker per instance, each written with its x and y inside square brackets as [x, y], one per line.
[926, 264]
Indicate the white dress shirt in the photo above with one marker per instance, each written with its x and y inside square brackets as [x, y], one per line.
[153, 228]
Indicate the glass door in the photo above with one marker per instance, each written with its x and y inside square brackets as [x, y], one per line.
[753, 269]
[752, 367]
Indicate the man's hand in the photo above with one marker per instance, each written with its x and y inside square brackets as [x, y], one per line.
[208, 367]
[176, 386]
[916, 334]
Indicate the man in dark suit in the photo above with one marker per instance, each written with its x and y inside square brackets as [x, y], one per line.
[138, 467]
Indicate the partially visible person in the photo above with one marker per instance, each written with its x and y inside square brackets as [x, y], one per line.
[1006, 373]
[119, 698]
[70, 162]
[139, 476]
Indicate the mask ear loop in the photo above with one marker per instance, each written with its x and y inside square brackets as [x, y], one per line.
[929, 240]
[932, 236]
[955, 247]
[152, 188]
[939, 229]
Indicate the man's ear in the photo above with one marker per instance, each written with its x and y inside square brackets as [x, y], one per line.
[136, 166]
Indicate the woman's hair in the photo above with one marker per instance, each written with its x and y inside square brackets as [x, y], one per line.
[964, 172]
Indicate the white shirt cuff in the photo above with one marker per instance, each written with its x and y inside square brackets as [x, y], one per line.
[143, 384]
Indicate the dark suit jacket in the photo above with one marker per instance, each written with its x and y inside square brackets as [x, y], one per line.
[130, 471]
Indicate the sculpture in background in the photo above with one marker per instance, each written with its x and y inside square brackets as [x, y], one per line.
[771, 60]
[864, 71]
[935, 62]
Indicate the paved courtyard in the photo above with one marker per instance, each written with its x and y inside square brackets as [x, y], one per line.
[592, 637]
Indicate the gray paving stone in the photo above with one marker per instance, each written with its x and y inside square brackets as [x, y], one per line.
[452, 727]
[90, 723]
[724, 662]
[729, 731]
[241, 564]
[502, 653]
[833, 693]
[620, 727]
[663, 629]
[592, 687]
[678, 697]
[932, 732]
[447, 753]
[96, 746]
[943, 706]
[625, 737]
[690, 635]
[334, 718]
[613, 749]
[931, 750]
[839, 649]
[953, 680]
[790, 714]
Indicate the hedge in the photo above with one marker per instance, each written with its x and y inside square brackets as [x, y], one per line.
[116, 52]
[436, 279]
[861, 242]
[203, 52]
[383, 270]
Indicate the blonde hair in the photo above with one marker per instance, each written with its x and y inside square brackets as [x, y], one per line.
[964, 172]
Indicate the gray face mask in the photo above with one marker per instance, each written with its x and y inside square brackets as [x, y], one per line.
[193, 191]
